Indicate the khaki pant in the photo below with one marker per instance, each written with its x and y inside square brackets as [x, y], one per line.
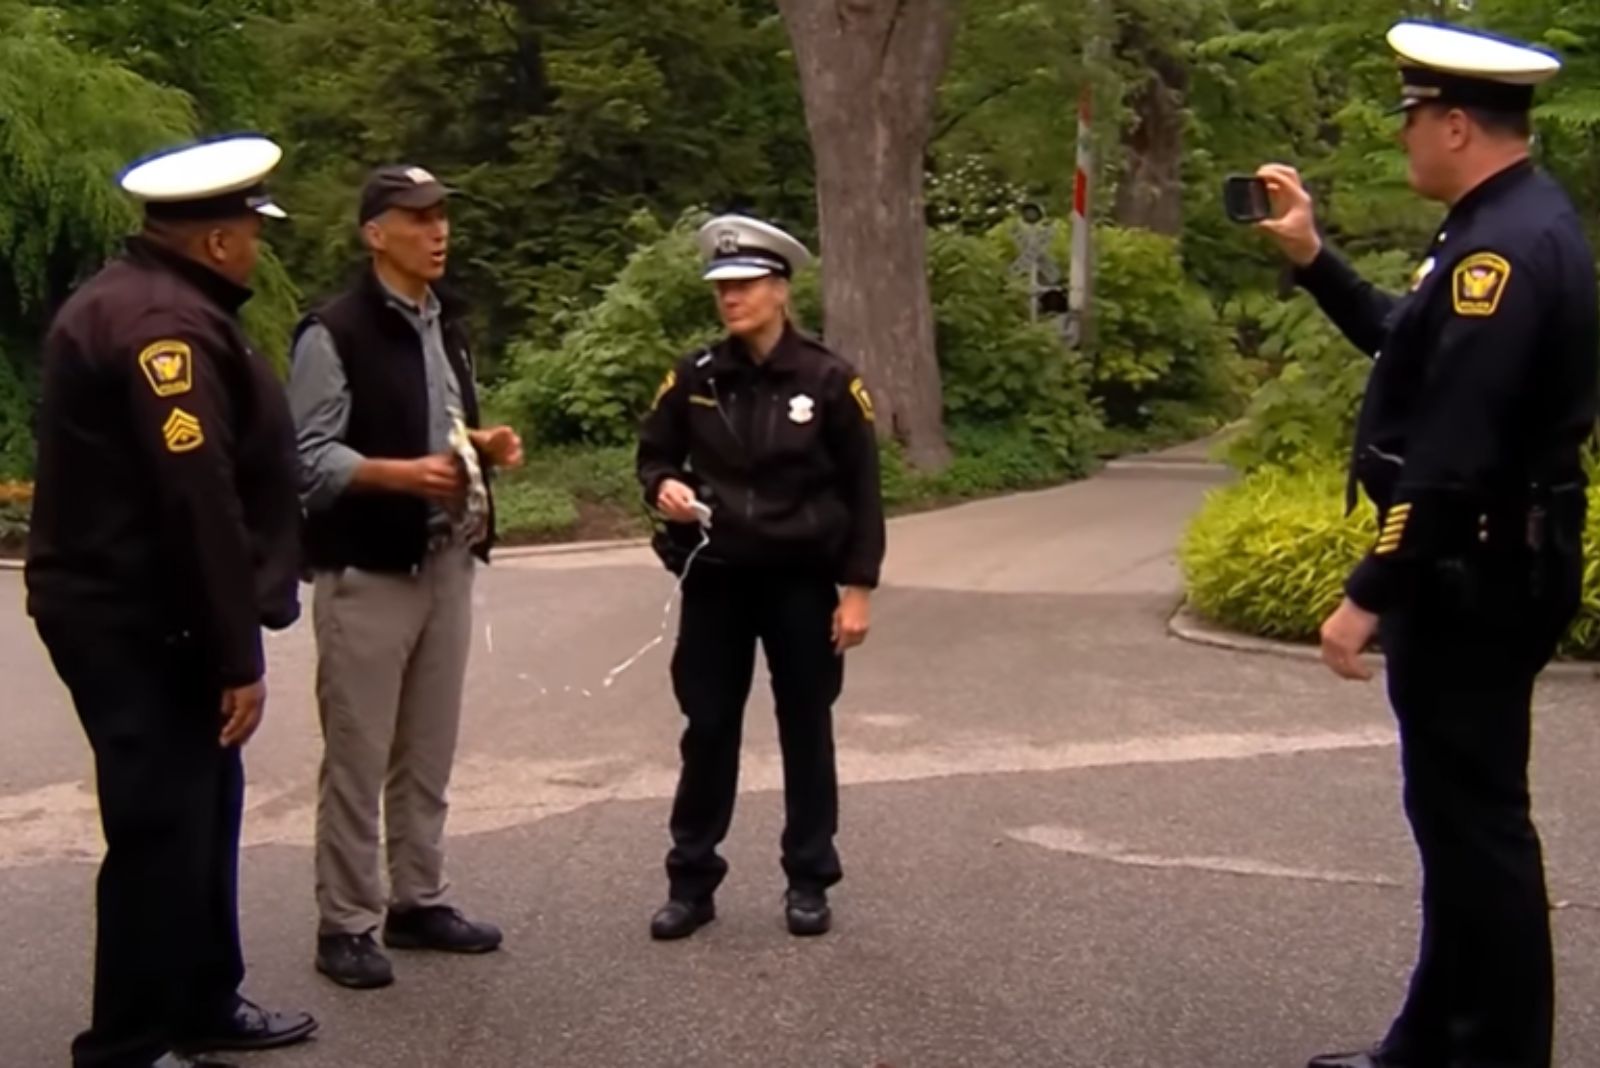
[391, 663]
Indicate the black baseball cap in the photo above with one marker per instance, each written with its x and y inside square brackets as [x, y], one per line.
[400, 186]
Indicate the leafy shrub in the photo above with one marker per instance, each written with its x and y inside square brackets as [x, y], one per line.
[529, 511]
[987, 460]
[17, 390]
[13, 526]
[998, 368]
[600, 476]
[1269, 555]
[546, 498]
[1306, 413]
[15, 504]
[597, 383]
[1156, 336]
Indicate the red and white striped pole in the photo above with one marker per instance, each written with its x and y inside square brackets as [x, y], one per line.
[1082, 226]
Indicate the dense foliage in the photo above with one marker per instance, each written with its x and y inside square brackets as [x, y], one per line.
[586, 135]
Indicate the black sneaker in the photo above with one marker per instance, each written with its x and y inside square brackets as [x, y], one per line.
[178, 1060]
[680, 919]
[807, 912]
[354, 961]
[439, 927]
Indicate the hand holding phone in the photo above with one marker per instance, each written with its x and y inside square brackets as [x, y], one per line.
[1244, 198]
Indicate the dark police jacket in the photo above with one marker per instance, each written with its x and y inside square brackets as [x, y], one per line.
[166, 485]
[383, 364]
[1484, 386]
[783, 451]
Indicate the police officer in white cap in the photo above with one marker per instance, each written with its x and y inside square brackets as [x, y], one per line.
[164, 538]
[767, 436]
[1468, 443]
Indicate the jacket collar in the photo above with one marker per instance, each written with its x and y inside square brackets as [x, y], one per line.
[226, 294]
[371, 288]
[784, 359]
[1494, 186]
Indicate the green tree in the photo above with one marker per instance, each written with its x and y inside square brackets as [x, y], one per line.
[69, 120]
[558, 121]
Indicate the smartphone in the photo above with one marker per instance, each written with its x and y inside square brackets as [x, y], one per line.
[1244, 198]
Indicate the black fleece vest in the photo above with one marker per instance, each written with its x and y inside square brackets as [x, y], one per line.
[383, 365]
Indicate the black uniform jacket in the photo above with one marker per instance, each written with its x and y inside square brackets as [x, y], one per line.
[784, 452]
[166, 486]
[1484, 386]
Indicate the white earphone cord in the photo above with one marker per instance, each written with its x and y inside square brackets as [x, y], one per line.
[666, 613]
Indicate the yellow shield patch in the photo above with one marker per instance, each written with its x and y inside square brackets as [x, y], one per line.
[1480, 281]
[182, 432]
[169, 367]
[858, 390]
[666, 387]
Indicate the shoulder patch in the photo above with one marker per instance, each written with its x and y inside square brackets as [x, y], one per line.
[662, 390]
[858, 390]
[168, 366]
[182, 432]
[1480, 280]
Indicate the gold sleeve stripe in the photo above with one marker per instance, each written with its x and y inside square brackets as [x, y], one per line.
[666, 387]
[1394, 528]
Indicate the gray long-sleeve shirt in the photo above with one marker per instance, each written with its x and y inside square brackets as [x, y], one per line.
[319, 397]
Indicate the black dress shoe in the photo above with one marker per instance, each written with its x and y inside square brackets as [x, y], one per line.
[680, 919]
[441, 928]
[1370, 1059]
[250, 1027]
[353, 961]
[178, 1060]
[807, 912]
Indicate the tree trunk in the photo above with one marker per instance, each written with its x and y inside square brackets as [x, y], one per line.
[869, 72]
[1150, 194]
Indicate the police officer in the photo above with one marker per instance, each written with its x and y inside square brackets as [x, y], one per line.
[164, 537]
[769, 434]
[1480, 399]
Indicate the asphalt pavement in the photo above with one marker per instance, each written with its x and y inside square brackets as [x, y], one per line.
[1069, 838]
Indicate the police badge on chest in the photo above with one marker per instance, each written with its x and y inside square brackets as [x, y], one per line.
[801, 408]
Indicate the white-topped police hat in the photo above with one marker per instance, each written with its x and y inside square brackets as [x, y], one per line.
[1442, 64]
[738, 247]
[216, 179]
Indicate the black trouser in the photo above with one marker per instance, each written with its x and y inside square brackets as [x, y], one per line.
[725, 611]
[1462, 658]
[167, 955]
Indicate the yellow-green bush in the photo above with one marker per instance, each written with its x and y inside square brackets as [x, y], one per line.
[1269, 554]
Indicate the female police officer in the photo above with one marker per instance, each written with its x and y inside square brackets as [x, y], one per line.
[771, 434]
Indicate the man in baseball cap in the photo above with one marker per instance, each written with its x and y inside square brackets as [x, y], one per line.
[394, 478]
[400, 186]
